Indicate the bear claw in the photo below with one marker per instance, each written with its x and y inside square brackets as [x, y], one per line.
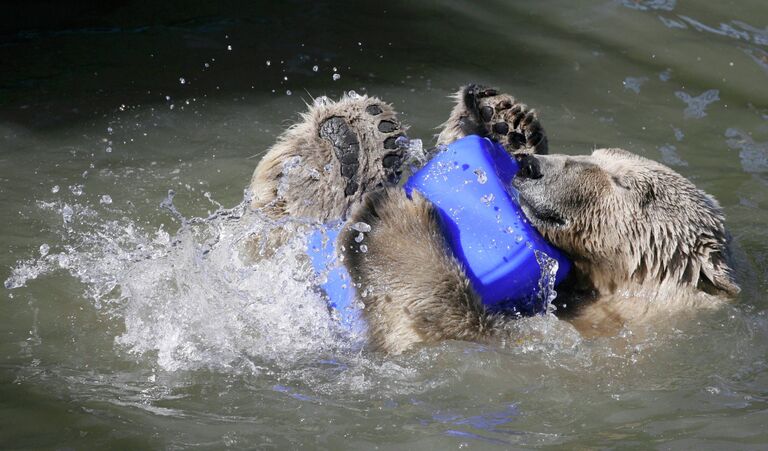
[373, 110]
[387, 126]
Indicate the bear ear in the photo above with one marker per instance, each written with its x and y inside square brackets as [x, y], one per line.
[716, 275]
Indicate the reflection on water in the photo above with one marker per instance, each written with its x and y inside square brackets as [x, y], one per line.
[126, 324]
[753, 155]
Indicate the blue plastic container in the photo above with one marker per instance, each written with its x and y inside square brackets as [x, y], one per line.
[337, 285]
[470, 185]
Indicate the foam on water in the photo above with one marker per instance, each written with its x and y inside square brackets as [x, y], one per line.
[697, 105]
[195, 299]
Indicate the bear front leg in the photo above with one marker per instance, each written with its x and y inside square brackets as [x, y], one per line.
[413, 289]
[486, 112]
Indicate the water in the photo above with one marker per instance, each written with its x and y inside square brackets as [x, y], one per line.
[135, 326]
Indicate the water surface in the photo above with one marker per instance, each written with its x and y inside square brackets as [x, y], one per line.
[130, 326]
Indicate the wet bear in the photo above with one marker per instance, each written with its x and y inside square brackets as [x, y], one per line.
[643, 239]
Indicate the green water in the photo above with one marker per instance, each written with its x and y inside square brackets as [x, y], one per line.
[121, 334]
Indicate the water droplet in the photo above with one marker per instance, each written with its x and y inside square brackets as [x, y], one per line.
[402, 141]
[361, 227]
[360, 237]
[66, 213]
[322, 100]
[363, 248]
[108, 149]
[77, 190]
[229, 47]
[105, 199]
[288, 92]
[55, 189]
[182, 80]
[315, 68]
[44, 249]
[487, 199]
[481, 176]
[336, 77]
[353, 94]
[269, 63]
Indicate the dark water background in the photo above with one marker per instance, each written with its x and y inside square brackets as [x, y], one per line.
[113, 337]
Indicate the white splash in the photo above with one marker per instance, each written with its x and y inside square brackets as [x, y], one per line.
[361, 227]
[546, 292]
[200, 297]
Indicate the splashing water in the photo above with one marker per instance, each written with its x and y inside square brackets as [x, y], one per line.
[546, 290]
[482, 177]
[415, 154]
[196, 298]
[219, 294]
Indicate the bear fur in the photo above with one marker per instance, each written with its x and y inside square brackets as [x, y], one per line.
[329, 160]
[642, 238]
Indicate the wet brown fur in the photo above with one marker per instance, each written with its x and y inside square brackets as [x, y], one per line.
[642, 238]
[314, 188]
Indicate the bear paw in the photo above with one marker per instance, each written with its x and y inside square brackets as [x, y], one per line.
[500, 117]
[363, 124]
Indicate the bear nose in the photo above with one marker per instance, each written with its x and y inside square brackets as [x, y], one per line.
[529, 167]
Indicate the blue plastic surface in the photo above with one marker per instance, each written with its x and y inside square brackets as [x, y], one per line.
[337, 285]
[470, 185]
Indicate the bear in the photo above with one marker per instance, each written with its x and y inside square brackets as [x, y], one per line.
[643, 239]
[322, 165]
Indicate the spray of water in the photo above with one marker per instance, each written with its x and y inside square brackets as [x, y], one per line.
[195, 298]
[208, 295]
[546, 288]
